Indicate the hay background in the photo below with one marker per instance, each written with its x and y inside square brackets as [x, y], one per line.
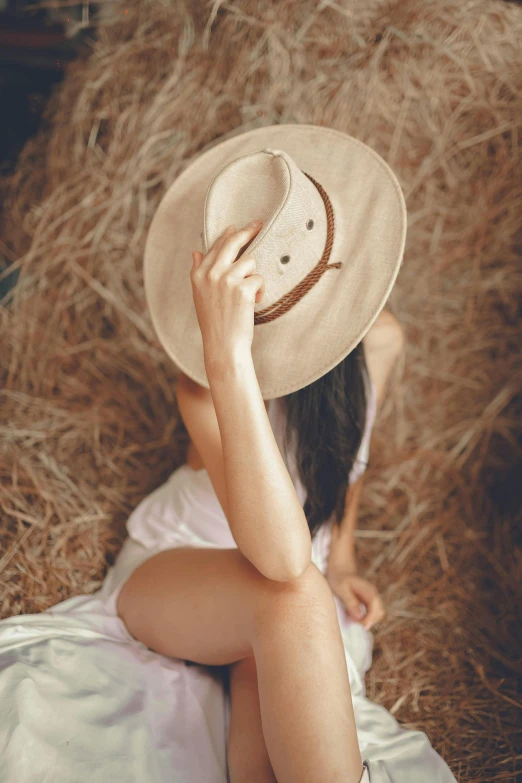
[89, 421]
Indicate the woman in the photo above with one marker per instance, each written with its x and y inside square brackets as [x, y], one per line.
[242, 557]
[246, 607]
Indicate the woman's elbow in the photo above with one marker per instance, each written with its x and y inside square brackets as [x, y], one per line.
[286, 569]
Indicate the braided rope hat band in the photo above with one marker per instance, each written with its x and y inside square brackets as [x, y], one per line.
[321, 194]
[289, 300]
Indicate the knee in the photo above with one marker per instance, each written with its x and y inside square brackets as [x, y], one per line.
[308, 592]
[311, 580]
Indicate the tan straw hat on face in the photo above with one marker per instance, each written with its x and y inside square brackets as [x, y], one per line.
[329, 250]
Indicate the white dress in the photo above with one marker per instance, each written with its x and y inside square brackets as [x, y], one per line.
[83, 701]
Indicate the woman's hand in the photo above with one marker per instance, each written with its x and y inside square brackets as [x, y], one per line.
[353, 591]
[225, 291]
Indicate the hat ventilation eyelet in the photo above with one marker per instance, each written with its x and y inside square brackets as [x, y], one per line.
[310, 225]
[284, 259]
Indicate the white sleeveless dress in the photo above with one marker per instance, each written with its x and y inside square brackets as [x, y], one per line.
[185, 510]
[82, 700]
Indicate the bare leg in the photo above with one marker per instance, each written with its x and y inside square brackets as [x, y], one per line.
[213, 607]
[304, 689]
[247, 756]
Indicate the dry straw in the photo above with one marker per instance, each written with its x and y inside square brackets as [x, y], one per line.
[89, 420]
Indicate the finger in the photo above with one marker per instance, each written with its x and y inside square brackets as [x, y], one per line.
[364, 589]
[228, 252]
[218, 244]
[221, 237]
[369, 595]
[375, 614]
[350, 601]
[352, 605]
[197, 258]
[200, 259]
[260, 292]
[215, 247]
[255, 285]
[245, 267]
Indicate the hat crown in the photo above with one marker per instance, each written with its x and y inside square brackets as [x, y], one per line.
[324, 284]
[267, 184]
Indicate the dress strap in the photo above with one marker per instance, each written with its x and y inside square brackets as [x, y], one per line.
[365, 777]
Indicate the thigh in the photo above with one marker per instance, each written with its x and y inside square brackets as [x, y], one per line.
[194, 604]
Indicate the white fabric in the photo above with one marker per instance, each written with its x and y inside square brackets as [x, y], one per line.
[82, 701]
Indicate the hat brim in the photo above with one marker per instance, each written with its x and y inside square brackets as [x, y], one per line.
[319, 331]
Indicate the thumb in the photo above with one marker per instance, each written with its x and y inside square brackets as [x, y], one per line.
[197, 258]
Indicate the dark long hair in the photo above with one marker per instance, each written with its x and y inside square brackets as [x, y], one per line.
[326, 421]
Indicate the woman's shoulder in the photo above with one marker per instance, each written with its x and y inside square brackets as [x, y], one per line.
[386, 332]
[382, 346]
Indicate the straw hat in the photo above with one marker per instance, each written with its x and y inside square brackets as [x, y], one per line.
[329, 250]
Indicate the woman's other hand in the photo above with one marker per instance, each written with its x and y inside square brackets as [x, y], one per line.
[225, 291]
[353, 591]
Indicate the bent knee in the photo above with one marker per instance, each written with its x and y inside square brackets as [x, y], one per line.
[309, 591]
[310, 581]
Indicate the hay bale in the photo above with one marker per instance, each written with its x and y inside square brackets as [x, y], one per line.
[89, 418]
